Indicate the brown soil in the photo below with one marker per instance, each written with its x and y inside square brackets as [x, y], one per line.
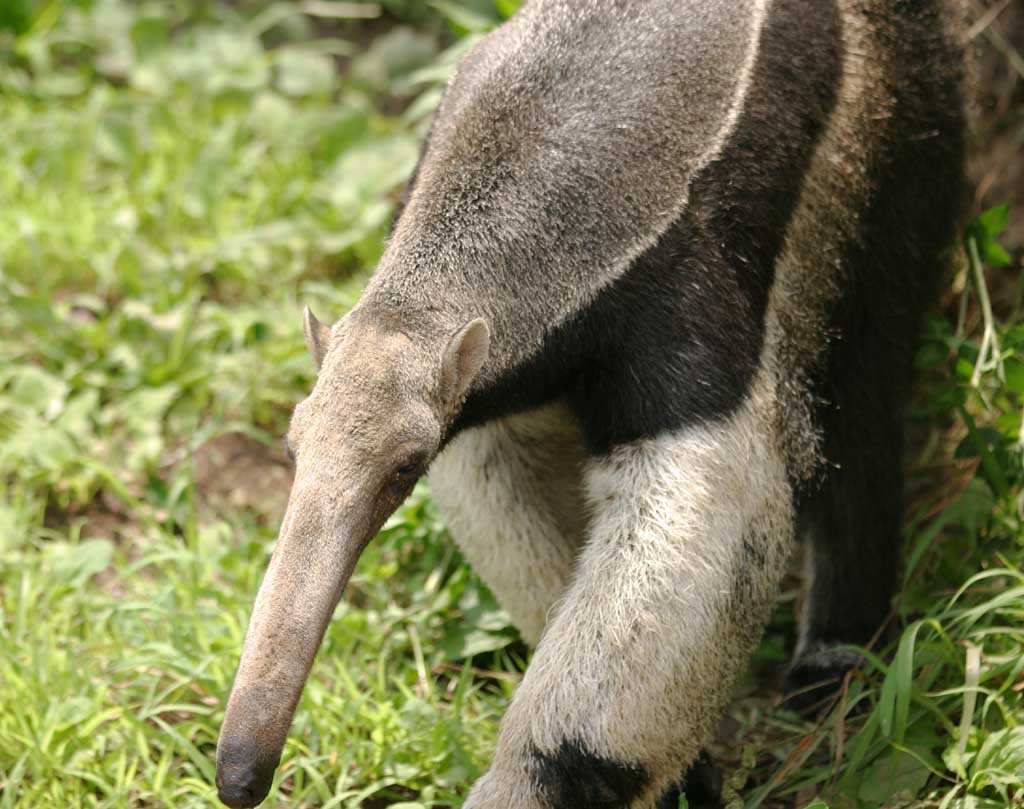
[237, 470]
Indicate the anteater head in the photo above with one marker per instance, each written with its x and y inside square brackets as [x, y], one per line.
[383, 401]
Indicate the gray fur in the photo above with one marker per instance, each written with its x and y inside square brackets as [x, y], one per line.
[523, 174]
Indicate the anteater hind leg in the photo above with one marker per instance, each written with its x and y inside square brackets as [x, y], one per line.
[510, 493]
[850, 519]
[890, 237]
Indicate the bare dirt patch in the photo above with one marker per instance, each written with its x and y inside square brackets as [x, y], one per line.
[237, 470]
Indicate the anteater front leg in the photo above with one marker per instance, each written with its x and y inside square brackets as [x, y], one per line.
[689, 538]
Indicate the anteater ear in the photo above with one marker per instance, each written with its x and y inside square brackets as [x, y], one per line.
[318, 336]
[465, 355]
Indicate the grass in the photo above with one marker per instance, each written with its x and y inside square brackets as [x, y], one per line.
[176, 180]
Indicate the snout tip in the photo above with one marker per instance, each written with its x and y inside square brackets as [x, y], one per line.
[238, 796]
[243, 779]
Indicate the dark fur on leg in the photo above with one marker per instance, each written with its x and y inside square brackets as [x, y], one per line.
[575, 778]
[702, 786]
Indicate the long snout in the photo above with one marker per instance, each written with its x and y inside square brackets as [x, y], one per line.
[312, 562]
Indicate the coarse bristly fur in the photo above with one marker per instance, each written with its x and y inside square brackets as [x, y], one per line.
[647, 315]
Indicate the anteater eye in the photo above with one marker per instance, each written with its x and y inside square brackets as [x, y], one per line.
[409, 468]
[406, 469]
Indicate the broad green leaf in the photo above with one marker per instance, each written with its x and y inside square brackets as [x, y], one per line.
[897, 774]
[464, 17]
[1014, 370]
[73, 565]
[993, 221]
[34, 388]
[301, 73]
[462, 645]
[999, 763]
[993, 253]
[507, 7]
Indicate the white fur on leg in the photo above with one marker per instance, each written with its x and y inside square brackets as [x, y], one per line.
[688, 542]
[511, 495]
